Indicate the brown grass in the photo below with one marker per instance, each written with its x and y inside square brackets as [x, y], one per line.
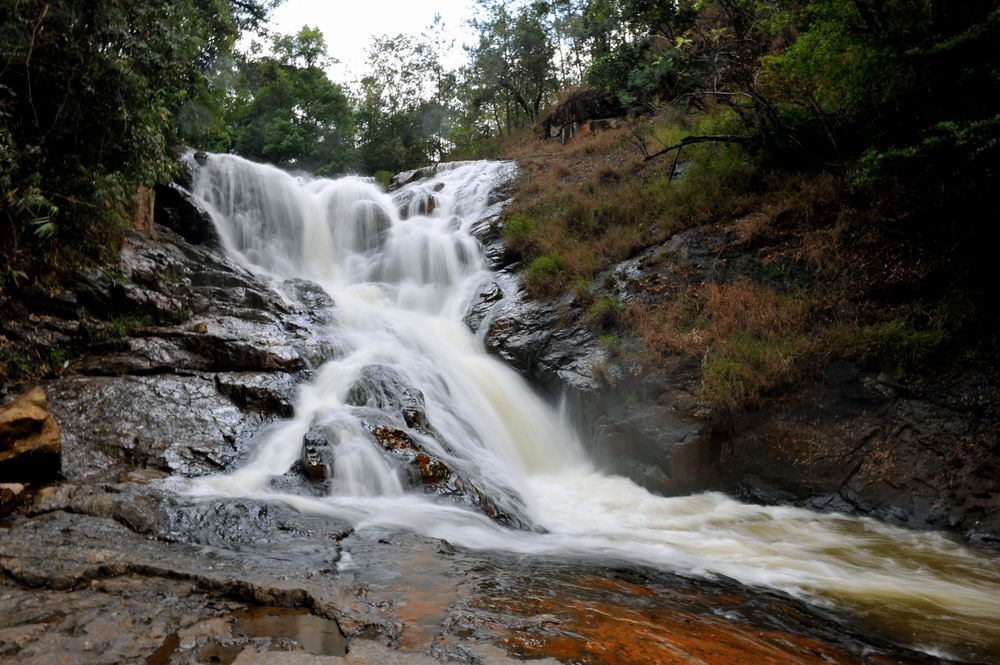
[700, 317]
[751, 338]
[593, 201]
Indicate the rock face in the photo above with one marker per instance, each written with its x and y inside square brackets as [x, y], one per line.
[175, 358]
[858, 442]
[30, 448]
[177, 210]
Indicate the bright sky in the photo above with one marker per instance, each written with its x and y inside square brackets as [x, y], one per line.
[349, 25]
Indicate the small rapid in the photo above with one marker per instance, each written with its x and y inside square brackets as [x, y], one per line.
[402, 271]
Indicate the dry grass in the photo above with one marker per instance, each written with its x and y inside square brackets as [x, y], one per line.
[593, 202]
[751, 338]
[700, 317]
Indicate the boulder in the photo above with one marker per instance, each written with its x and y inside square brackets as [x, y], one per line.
[430, 474]
[178, 210]
[408, 177]
[581, 108]
[382, 387]
[29, 439]
[489, 294]
[317, 453]
[10, 497]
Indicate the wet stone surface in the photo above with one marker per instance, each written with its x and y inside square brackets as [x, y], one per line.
[122, 572]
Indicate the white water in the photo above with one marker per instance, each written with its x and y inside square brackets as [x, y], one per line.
[401, 288]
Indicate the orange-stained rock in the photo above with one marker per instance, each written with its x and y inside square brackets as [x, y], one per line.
[432, 470]
[594, 620]
[29, 439]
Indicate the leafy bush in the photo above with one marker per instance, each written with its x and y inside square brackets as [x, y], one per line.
[604, 313]
[545, 275]
[92, 92]
[743, 367]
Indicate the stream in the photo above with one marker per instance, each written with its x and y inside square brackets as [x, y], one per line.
[403, 270]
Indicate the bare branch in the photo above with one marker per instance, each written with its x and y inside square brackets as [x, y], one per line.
[690, 140]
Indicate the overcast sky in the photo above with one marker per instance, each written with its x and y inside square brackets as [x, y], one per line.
[349, 25]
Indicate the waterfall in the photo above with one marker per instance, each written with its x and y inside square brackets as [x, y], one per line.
[402, 271]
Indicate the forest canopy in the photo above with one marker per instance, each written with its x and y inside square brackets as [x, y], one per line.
[97, 97]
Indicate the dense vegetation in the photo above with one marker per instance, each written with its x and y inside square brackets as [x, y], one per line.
[873, 122]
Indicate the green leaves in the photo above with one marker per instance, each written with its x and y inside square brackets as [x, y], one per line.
[94, 100]
[286, 110]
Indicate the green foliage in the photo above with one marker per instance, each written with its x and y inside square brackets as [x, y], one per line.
[610, 343]
[604, 313]
[882, 80]
[917, 337]
[518, 233]
[118, 328]
[94, 97]
[405, 102]
[545, 274]
[286, 110]
[743, 368]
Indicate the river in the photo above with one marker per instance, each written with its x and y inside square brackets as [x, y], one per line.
[402, 281]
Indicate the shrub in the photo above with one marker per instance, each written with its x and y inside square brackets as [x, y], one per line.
[519, 234]
[743, 367]
[610, 343]
[545, 275]
[604, 313]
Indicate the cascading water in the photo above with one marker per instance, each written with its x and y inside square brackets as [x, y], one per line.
[401, 288]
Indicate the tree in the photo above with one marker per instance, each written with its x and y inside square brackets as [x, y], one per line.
[286, 110]
[91, 97]
[405, 101]
[512, 65]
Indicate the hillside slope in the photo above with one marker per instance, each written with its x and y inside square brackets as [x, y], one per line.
[718, 324]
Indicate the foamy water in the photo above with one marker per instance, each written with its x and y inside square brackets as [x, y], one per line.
[401, 288]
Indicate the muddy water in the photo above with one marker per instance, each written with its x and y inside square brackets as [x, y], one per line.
[402, 284]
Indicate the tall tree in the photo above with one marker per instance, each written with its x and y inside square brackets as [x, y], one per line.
[91, 94]
[405, 101]
[288, 112]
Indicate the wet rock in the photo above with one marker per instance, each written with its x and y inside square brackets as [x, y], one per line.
[533, 337]
[382, 387]
[10, 496]
[482, 305]
[30, 447]
[178, 210]
[178, 424]
[640, 442]
[267, 392]
[409, 177]
[317, 453]
[424, 469]
[503, 189]
[428, 472]
[392, 439]
[848, 444]
[242, 324]
[310, 294]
